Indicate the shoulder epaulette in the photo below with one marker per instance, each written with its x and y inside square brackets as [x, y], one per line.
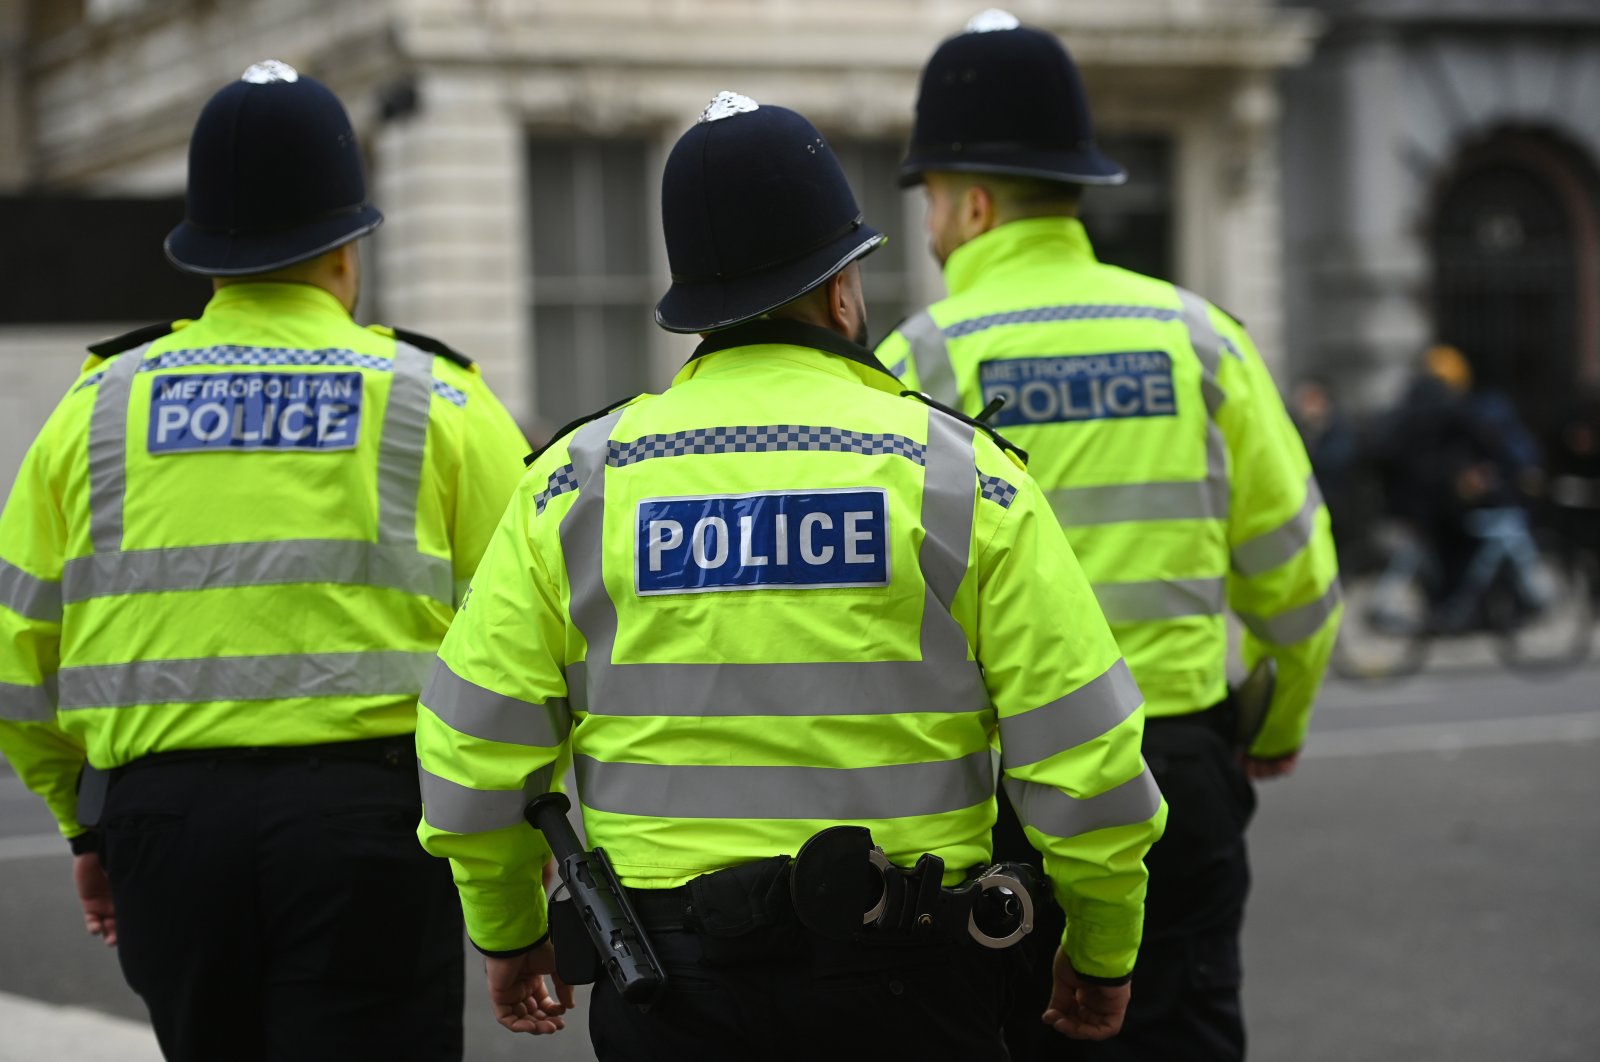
[568, 428]
[128, 340]
[432, 346]
[999, 440]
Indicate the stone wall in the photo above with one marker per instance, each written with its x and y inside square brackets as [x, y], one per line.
[1373, 127]
[110, 102]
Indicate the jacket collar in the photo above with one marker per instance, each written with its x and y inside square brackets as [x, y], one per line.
[1015, 247]
[788, 333]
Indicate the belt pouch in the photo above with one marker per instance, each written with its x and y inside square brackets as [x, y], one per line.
[576, 960]
[743, 915]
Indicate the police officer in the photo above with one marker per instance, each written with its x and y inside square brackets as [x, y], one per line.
[1164, 449]
[780, 597]
[224, 569]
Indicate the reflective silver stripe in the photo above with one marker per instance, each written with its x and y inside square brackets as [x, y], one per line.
[405, 435]
[1208, 346]
[825, 688]
[1159, 599]
[944, 680]
[28, 704]
[1052, 812]
[1295, 624]
[839, 794]
[482, 713]
[245, 678]
[949, 495]
[592, 610]
[935, 375]
[451, 806]
[1189, 499]
[108, 449]
[1273, 548]
[1196, 499]
[259, 564]
[28, 595]
[1093, 709]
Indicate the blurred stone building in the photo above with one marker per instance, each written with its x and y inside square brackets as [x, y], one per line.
[1442, 182]
[516, 145]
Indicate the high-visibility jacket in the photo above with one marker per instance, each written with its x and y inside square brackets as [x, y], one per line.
[249, 529]
[778, 597]
[1163, 447]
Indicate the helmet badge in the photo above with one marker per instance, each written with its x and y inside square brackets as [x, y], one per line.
[726, 105]
[269, 70]
[991, 20]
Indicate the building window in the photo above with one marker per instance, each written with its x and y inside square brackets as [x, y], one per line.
[591, 294]
[1131, 224]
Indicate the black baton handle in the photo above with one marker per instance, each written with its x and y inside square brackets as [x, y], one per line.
[601, 903]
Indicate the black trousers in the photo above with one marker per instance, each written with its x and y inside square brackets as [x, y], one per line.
[1185, 1005]
[764, 987]
[279, 907]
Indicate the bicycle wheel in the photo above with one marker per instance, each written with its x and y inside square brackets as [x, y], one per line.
[1553, 607]
[1385, 633]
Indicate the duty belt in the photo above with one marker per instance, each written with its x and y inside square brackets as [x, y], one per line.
[844, 887]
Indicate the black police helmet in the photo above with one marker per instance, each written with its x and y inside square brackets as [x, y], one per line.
[275, 177]
[756, 211]
[1005, 98]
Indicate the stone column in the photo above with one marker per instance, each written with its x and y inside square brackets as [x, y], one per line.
[1368, 277]
[452, 255]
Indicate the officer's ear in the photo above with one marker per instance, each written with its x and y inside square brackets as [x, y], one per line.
[846, 303]
[977, 212]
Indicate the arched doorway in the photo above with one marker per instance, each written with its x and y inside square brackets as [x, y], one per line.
[1516, 267]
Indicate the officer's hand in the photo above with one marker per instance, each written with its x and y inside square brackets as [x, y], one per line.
[520, 995]
[94, 893]
[1082, 1010]
[1262, 770]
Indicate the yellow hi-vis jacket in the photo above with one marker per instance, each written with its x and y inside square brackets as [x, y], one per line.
[775, 598]
[1163, 447]
[249, 529]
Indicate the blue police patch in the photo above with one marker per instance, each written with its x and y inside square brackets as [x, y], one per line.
[782, 539]
[1080, 387]
[255, 411]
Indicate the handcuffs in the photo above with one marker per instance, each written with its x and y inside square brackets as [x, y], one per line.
[845, 888]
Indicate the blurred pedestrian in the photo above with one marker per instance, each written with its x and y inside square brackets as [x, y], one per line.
[1331, 446]
[1161, 442]
[224, 569]
[1460, 466]
[777, 599]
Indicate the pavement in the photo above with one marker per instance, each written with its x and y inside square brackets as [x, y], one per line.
[1424, 889]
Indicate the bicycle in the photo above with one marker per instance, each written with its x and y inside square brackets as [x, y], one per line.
[1535, 595]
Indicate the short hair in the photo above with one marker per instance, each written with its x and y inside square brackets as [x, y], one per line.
[1017, 196]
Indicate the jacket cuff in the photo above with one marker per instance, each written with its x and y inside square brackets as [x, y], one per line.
[1105, 982]
[84, 843]
[514, 952]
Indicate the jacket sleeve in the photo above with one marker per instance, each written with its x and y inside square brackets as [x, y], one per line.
[33, 544]
[1071, 722]
[491, 466]
[493, 723]
[1283, 579]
